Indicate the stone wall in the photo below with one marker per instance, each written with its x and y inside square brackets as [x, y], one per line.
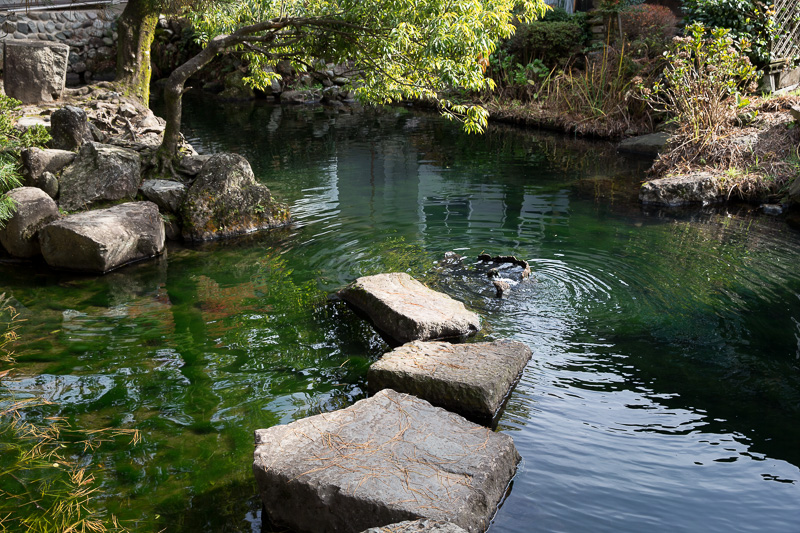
[91, 35]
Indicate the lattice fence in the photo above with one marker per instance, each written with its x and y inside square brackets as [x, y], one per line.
[787, 17]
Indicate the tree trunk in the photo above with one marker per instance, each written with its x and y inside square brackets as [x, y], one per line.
[173, 91]
[136, 27]
[173, 95]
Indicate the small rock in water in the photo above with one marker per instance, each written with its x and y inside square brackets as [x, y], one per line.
[772, 209]
[501, 287]
[510, 259]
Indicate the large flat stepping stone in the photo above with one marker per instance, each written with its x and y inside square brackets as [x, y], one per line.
[403, 309]
[104, 239]
[472, 380]
[386, 459]
[417, 526]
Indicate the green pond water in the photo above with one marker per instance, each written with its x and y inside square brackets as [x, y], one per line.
[664, 389]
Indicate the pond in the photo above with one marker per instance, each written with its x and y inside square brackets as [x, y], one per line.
[664, 389]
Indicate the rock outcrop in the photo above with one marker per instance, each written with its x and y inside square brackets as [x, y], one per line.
[101, 172]
[35, 209]
[386, 459]
[34, 71]
[405, 310]
[696, 188]
[104, 239]
[472, 380]
[69, 128]
[41, 167]
[225, 200]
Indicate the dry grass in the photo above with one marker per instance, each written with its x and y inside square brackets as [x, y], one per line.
[753, 162]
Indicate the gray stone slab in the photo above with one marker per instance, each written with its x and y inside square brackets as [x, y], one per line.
[104, 239]
[695, 188]
[417, 526]
[166, 194]
[405, 310]
[34, 71]
[650, 144]
[386, 459]
[472, 380]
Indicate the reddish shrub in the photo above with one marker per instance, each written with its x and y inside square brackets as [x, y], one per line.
[649, 21]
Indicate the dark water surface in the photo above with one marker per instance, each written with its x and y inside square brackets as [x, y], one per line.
[664, 389]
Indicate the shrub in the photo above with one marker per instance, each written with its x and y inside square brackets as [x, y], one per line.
[556, 14]
[601, 97]
[750, 22]
[551, 42]
[703, 87]
[649, 21]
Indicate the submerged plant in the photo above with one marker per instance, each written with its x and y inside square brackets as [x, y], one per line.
[45, 486]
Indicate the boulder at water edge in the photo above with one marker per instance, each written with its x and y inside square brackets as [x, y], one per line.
[34, 71]
[104, 239]
[225, 200]
[696, 188]
[406, 310]
[35, 209]
[417, 526]
[40, 167]
[472, 380]
[101, 172]
[386, 459]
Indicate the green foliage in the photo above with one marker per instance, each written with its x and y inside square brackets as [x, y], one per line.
[750, 22]
[403, 48]
[553, 43]
[703, 84]
[11, 142]
[556, 14]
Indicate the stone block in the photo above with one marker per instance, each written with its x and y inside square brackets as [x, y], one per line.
[104, 239]
[35, 71]
[472, 380]
[386, 459]
[166, 194]
[404, 310]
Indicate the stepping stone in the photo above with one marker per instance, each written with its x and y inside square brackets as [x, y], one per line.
[386, 459]
[472, 380]
[403, 309]
[104, 239]
[417, 526]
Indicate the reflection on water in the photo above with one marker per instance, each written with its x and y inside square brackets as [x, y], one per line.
[663, 394]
